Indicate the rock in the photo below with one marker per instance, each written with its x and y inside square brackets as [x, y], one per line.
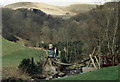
[32, 80]
[88, 69]
[50, 69]
[55, 75]
[47, 79]
[61, 74]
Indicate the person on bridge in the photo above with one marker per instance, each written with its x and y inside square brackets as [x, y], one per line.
[59, 54]
[55, 52]
[50, 50]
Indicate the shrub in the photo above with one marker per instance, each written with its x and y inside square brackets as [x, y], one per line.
[29, 67]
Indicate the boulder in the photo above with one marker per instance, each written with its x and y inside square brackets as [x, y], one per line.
[61, 74]
[88, 69]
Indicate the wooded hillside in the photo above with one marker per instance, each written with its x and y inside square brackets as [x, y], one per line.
[97, 28]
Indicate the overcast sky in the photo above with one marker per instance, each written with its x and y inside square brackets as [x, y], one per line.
[55, 2]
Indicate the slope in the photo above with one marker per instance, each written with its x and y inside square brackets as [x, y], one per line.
[13, 53]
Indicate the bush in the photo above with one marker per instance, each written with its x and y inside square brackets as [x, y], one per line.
[72, 53]
[28, 66]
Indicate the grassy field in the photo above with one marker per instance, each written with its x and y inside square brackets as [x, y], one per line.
[14, 53]
[109, 73]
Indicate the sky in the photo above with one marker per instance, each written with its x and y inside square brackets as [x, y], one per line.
[55, 2]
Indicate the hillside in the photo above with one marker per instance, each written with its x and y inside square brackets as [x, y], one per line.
[109, 73]
[80, 8]
[13, 53]
[50, 9]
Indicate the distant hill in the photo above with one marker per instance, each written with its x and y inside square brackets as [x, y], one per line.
[51, 9]
[80, 8]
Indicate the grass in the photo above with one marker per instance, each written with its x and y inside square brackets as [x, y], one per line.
[109, 73]
[14, 53]
[9, 47]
